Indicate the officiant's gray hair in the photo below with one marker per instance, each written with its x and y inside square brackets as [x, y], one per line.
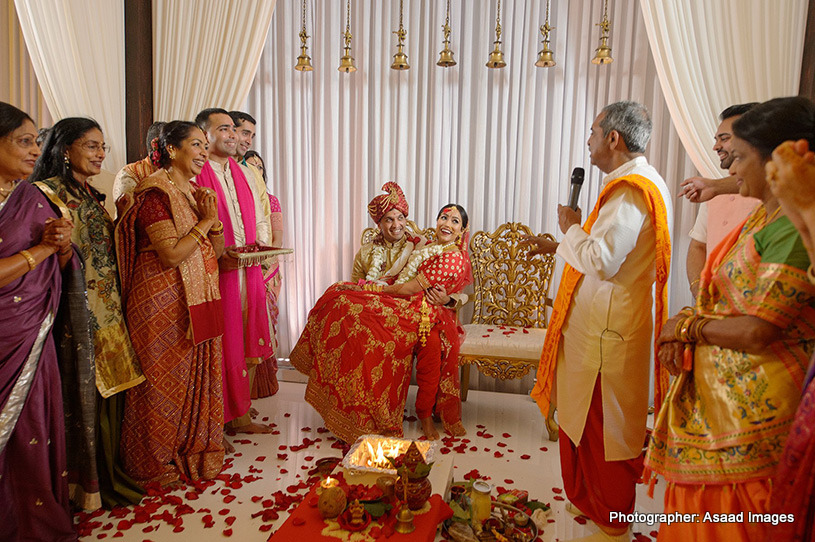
[631, 120]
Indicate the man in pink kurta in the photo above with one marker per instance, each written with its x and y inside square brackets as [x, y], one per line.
[248, 334]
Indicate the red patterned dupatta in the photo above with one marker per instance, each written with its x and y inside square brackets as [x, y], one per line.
[199, 276]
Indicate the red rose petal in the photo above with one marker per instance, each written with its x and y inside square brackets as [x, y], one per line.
[544, 449]
[526, 456]
[559, 498]
[506, 481]
[256, 498]
[223, 512]
[178, 528]
[502, 445]
[498, 454]
[229, 498]
[266, 527]
[287, 415]
[227, 532]
[298, 521]
[557, 490]
[230, 520]
[580, 519]
[260, 458]
[654, 533]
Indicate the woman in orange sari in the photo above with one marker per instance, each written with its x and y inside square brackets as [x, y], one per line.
[358, 345]
[739, 355]
[168, 244]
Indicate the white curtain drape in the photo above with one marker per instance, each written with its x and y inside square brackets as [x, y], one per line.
[205, 53]
[710, 55]
[500, 142]
[77, 49]
[18, 85]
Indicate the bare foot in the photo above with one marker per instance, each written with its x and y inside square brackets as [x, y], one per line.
[253, 412]
[228, 448]
[254, 428]
[429, 428]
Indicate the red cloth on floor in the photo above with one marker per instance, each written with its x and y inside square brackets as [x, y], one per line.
[313, 523]
[592, 484]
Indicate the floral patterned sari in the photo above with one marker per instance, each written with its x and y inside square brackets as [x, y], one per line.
[358, 347]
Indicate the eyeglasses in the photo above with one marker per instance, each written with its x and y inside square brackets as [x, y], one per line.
[94, 147]
[26, 142]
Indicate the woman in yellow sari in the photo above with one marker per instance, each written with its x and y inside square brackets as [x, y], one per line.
[740, 354]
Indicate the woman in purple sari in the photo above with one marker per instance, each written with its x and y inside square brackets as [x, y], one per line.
[34, 244]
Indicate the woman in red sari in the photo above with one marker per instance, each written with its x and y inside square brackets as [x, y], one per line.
[359, 342]
[168, 245]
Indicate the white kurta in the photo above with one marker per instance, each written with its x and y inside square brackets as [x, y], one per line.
[608, 330]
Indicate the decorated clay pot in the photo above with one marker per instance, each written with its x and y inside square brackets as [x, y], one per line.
[418, 491]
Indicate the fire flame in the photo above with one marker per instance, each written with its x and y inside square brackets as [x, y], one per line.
[379, 458]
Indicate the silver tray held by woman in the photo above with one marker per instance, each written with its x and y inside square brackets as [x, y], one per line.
[357, 458]
[254, 254]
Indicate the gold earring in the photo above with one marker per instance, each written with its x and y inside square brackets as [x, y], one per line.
[67, 161]
[171, 153]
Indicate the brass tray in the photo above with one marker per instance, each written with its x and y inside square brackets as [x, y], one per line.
[248, 259]
[489, 537]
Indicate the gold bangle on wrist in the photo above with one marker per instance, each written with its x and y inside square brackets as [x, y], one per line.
[32, 263]
[217, 229]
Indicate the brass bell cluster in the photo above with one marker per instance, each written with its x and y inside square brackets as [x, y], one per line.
[546, 58]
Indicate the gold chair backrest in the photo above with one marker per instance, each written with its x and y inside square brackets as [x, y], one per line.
[510, 288]
[368, 234]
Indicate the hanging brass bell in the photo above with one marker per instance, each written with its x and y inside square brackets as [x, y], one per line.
[400, 60]
[347, 63]
[496, 59]
[303, 61]
[446, 58]
[602, 55]
[545, 57]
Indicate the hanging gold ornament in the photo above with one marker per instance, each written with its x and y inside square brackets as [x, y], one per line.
[496, 59]
[546, 58]
[303, 61]
[347, 61]
[602, 55]
[446, 56]
[400, 58]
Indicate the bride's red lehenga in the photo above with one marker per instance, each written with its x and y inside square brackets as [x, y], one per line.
[358, 346]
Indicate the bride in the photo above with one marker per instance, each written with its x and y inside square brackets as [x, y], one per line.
[358, 345]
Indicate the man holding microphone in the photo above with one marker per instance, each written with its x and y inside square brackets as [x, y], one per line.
[602, 327]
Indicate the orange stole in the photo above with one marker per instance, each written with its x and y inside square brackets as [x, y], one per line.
[571, 277]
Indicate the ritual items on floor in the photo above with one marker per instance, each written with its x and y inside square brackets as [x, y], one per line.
[477, 517]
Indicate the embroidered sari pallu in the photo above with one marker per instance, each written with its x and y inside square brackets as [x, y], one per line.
[173, 424]
[357, 350]
[726, 420]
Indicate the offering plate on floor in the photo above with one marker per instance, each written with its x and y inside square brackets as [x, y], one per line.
[370, 452]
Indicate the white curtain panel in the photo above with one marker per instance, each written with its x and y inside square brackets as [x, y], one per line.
[711, 55]
[18, 85]
[205, 53]
[77, 50]
[500, 142]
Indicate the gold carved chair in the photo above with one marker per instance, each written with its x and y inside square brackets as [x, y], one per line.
[511, 297]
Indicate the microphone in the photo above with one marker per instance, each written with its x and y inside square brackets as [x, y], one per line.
[577, 183]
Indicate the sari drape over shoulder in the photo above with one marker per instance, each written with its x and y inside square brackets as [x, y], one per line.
[33, 482]
[95, 351]
[173, 425]
[358, 346]
[727, 419]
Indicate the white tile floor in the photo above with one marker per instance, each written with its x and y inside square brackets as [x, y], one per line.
[513, 427]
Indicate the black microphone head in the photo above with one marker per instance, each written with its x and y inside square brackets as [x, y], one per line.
[578, 174]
